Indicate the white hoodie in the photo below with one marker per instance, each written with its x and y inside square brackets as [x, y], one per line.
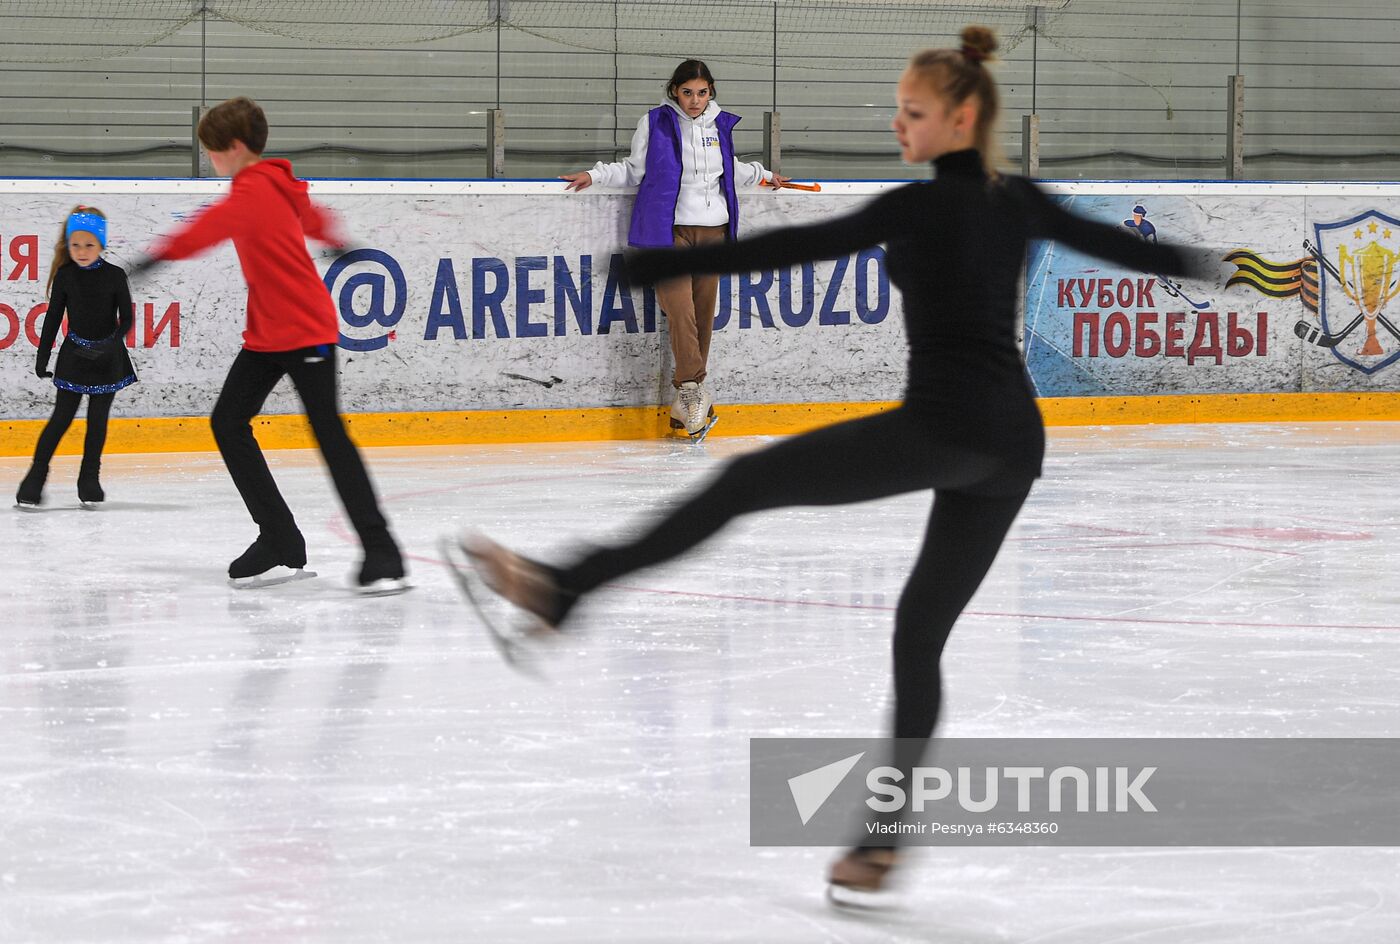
[701, 201]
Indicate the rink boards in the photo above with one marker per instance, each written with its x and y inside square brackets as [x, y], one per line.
[495, 311]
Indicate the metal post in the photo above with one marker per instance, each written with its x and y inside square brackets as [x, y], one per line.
[775, 55]
[203, 9]
[773, 141]
[1030, 124]
[616, 92]
[496, 117]
[1030, 145]
[773, 120]
[1035, 19]
[496, 142]
[199, 161]
[1234, 129]
[498, 10]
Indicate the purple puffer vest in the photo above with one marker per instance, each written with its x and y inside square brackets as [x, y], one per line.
[654, 213]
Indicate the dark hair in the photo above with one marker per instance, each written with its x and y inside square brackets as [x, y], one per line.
[238, 119]
[60, 250]
[687, 71]
[959, 74]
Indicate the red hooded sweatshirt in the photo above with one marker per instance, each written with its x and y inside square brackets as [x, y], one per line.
[268, 216]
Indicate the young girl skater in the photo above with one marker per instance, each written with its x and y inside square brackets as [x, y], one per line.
[968, 428]
[92, 360]
[683, 164]
[292, 331]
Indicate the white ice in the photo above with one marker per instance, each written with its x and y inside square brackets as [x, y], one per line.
[183, 761]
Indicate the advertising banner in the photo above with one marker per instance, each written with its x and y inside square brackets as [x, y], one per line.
[508, 295]
[465, 300]
[1299, 302]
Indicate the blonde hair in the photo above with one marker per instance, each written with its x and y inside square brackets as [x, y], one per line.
[60, 250]
[959, 74]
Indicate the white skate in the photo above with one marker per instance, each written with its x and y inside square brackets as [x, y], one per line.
[693, 411]
[272, 577]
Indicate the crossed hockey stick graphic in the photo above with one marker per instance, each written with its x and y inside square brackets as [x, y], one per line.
[1314, 334]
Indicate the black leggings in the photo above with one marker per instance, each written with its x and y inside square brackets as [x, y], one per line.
[975, 502]
[65, 407]
[312, 370]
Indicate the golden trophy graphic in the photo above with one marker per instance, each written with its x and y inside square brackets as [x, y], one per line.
[1368, 278]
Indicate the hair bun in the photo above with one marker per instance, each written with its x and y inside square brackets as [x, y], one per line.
[978, 43]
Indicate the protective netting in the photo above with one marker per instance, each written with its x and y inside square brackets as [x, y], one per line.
[843, 32]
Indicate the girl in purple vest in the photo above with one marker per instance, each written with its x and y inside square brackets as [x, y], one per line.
[683, 166]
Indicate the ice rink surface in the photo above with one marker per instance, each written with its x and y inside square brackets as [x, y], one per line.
[188, 762]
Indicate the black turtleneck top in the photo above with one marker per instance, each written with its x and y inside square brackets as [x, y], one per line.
[954, 248]
[96, 301]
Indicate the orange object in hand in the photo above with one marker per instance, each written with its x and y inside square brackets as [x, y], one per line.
[814, 188]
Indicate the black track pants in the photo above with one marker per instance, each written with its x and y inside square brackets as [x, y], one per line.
[313, 374]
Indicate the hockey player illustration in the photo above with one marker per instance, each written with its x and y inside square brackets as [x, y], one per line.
[1144, 228]
[1140, 223]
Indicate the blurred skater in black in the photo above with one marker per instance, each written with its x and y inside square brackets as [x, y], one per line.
[968, 428]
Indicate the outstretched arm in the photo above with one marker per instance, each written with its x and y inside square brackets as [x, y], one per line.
[776, 249]
[215, 224]
[624, 173]
[238, 213]
[136, 272]
[1112, 243]
[749, 174]
[322, 225]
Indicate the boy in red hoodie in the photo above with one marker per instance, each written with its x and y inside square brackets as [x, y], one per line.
[292, 330]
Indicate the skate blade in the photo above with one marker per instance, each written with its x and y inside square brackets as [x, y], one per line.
[859, 900]
[271, 578]
[699, 437]
[507, 642]
[90, 505]
[28, 507]
[384, 587]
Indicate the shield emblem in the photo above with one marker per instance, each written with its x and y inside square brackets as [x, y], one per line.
[1359, 262]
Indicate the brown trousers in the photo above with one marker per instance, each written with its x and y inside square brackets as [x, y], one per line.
[689, 305]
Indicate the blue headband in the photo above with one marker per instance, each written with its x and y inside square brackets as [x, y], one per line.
[87, 223]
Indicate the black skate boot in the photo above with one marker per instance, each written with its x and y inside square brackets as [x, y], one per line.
[382, 571]
[265, 564]
[31, 491]
[89, 488]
